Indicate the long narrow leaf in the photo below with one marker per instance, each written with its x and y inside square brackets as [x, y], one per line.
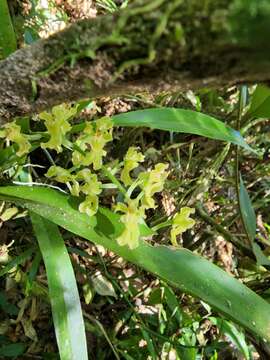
[250, 223]
[183, 121]
[180, 267]
[7, 35]
[236, 336]
[247, 211]
[64, 296]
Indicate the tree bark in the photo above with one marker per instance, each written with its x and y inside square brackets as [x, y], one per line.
[155, 46]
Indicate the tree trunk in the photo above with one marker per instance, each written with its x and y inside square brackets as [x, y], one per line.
[155, 46]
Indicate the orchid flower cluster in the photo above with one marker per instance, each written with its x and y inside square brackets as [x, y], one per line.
[82, 182]
[150, 183]
[88, 152]
[92, 142]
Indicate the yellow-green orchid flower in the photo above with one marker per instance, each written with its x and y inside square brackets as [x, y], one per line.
[151, 183]
[83, 182]
[92, 142]
[65, 177]
[12, 132]
[181, 223]
[91, 187]
[131, 161]
[90, 205]
[131, 219]
[57, 125]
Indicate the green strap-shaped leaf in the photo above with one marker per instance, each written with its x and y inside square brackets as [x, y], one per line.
[236, 336]
[7, 36]
[180, 267]
[250, 223]
[247, 211]
[260, 103]
[64, 296]
[183, 121]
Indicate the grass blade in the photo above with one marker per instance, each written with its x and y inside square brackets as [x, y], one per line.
[247, 211]
[183, 121]
[180, 267]
[64, 296]
[7, 36]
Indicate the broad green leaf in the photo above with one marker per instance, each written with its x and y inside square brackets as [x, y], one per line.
[237, 337]
[64, 296]
[183, 121]
[180, 267]
[260, 103]
[7, 36]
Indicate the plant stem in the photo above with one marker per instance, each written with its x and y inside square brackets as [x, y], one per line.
[132, 188]
[114, 180]
[162, 225]
[241, 105]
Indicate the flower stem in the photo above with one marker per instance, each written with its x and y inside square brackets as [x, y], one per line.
[113, 179]
[162, 225]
